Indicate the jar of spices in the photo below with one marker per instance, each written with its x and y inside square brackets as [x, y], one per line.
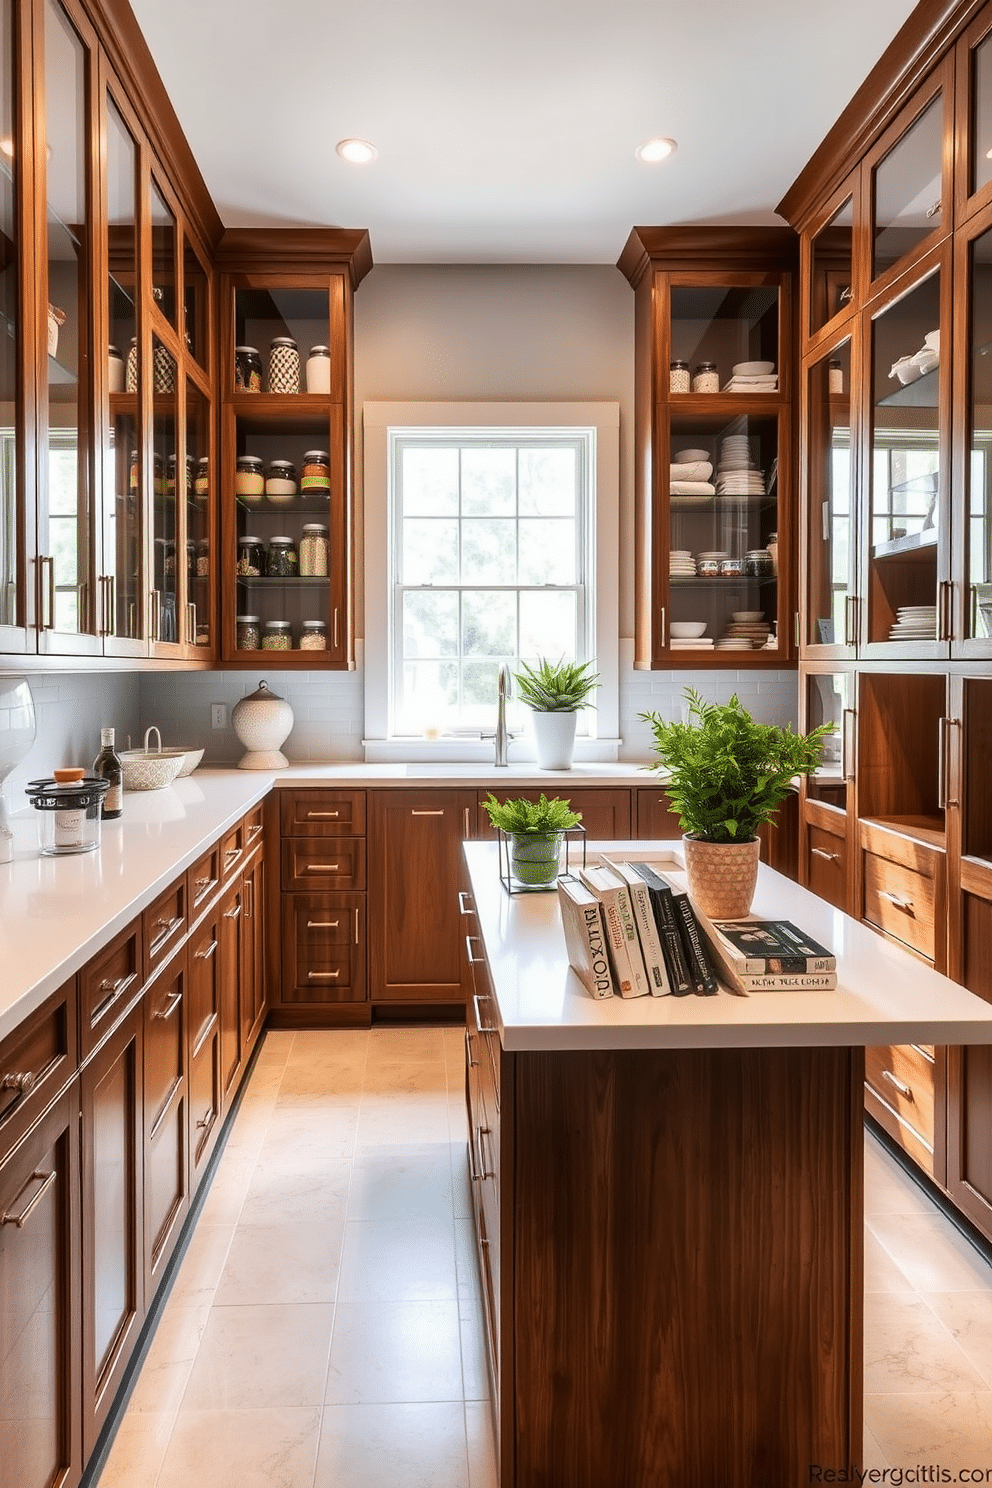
[280, 482]
[679, 380]
[203, 558]
[251, 558]
[313, 551]
[247, 370]
[115, 370]
[158, 476]
[281, 561]
[284, 366]
[313, 636]
[772, 551]
[170, 475]
[319, 370]
[132, 478]
[169, 561]
[163, 369]
[248, 632]
[131, 373]
[277, 636]
[249, 480]
[706, 379]
[190, 558]
[835, 377]
[201, 482]
[758, 563]
[315, 476]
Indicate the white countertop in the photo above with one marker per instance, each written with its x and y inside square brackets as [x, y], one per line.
[457, 773]
[884, 995]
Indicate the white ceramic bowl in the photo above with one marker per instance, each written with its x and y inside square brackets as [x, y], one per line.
[689, 456]
[150, 769]
[687, 630]
[748, 617]
[932, 339]
[193, 758]
[754, 369]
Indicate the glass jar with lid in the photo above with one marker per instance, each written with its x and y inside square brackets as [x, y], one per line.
[251, 558]
[277, 635]
[281, 561]
[313, 551]
[203, 558]
[313, 636]
[248, 632]
[201, 483]
[280, 482]
[247, 370]
[706, 379]
[249, 479]
[284, 365]
[679, 380]
[315, 475]
[319, 370]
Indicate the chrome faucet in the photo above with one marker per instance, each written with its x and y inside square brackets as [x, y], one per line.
[502, 736]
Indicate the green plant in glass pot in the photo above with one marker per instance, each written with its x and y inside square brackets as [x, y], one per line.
[535, 830]
[554, 691]
[726, 775]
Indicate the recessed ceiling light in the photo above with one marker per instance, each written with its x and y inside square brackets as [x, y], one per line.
[654, 150]
[357, 151]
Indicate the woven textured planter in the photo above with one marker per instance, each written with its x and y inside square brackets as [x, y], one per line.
[722, 876]
[534, 856]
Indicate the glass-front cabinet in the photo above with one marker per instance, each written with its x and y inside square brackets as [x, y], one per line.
[972, 470]
[15, 609]
[828, 556]
[832, 266]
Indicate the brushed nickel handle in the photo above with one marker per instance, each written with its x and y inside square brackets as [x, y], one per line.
[426, 813]
[468, 824]
[334, 628]
[114, 990]
[464, 897]
[664, 641]
[323, 867]
[205, 1120]
[249, 899]
[903, 1090]
[356, 924]
[111, 602]
[796, 632]
[167, 927]
[932, 211]
[945, 619]
[482, 1027]
[473, 1171]
[20, 1220]
[207, 952]
[231, 856]
[847, 744]
[818, 852]
[323, 976]
[941, 764]
[203, 883]
[45, 561]
[897, 903]
[851, 620]
[472, 960]
[232, 914]
[472, 1063]
[191, 622]
[155, 618]
[323, 924]
[21, 1083]
[104, 622]
[173, 999]
[253, 830]
[484, 1131]
[319, 815]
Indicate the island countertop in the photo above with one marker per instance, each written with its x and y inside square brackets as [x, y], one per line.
[883, 996]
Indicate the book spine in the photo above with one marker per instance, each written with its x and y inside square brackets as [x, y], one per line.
[654, 956]
[616, 941]
[637, 967]
[597, 973]
[700, 971]
[677, 970]
[824, 982]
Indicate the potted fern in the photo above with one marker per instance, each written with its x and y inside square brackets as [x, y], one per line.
[554, 691]
[726, 775]
[535, 830]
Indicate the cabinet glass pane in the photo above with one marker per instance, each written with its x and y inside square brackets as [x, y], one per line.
[829, 488]
[9, 419]
[729, 327]
[907, 190]
[195, 303]
[828, 697]
[68, 236]
[903, 476]
[977, 797]
[979, 478]
[165, 502]
[263, 316]
[830, 269]
[163, 255]
[122, 557]
[723, 556]
[199, 509]
[981, 120]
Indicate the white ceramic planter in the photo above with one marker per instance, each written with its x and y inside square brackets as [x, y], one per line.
[263, 721]
[554, 734]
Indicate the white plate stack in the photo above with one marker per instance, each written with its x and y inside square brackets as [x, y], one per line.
[755, 632]
[737, 473]
[914, 623]
[681, 564]
[700, 642]
[752, 377]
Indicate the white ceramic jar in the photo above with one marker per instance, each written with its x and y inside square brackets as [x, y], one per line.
[319, 370]
[115, 371]
[263, 721]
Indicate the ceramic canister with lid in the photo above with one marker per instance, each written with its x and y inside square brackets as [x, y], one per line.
[115, 370]
[319, 370]
[263, 721]
[284, 366]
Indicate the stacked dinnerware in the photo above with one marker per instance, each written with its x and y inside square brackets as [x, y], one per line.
[914, 623]
[749, 626]
[681, 564]
[738, 473]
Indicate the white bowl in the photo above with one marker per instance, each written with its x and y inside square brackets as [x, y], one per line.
[687, 630]
[193, 758]
[932, 339]
[748, 617]
[150, 769]
[754, 369]
[689, 456]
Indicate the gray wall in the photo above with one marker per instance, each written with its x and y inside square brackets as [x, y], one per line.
[70, 710]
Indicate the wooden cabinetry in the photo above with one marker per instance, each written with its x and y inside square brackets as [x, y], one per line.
[606, 813]
[165, 1112]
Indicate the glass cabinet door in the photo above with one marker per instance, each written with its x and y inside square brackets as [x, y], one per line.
[977, 534]
[199, 519]
[832, 267]
[12, 598]
[195, 305]
[829, 533]
[830, 699]
[163, 255]
[907, 192]
[121, 581]
[165, 593]
[726, 337]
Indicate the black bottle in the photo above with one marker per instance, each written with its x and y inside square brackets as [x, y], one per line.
[108, 767]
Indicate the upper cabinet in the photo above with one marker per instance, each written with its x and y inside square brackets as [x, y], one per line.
[714, 428]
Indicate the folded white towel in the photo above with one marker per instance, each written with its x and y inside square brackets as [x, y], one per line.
[692, 488]
[699, 470]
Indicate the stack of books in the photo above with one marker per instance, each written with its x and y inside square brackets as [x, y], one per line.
[632, 931]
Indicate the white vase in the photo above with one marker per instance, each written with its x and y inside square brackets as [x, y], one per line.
[555, 737]
[263, 721]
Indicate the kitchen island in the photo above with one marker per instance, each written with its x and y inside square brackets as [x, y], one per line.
[668, 1201]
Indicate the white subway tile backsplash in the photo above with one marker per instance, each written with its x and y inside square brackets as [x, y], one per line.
[70, 710]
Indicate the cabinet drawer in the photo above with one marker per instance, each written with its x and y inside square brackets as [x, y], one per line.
[901, 1076]
[323, 949]
[322, 813]
[203, 881]
[232, 851]
[311, 863]
[899, 901]
[163, 926]
[106, 985]
[36, 1060]
[252, 827]
[826, 866]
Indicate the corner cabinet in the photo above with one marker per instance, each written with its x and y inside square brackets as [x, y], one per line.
[286, 445]
[714, 431]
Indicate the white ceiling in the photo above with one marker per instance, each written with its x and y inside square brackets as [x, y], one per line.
[506, 132]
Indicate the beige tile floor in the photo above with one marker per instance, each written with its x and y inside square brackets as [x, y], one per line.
[324, 1328]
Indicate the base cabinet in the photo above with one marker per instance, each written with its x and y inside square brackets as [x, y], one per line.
[166, 1116]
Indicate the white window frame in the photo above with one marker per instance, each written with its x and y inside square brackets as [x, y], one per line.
[506, 420]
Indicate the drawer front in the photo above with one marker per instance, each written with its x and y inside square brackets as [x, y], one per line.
[202, 985]
[36, 1060]
[252, 827]
[106, 986]
[484, 1023]
[900, 901]
[323, 952]
[203, 881]
[901, 1076]
[204, 1101]
[322, 813]
[826, 866]
[163, 926]
[313, 863]
[232, 851]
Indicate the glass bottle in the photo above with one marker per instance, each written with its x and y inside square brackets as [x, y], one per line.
[107, 767]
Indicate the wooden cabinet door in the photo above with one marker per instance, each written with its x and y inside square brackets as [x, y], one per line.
[40, 1439]
[166, 1116]
[229, 972]
[969, 1071]
[113, 1271]
[204, 1042]
[415, 839]
[606, 814]
[252, 954]
[654, 818]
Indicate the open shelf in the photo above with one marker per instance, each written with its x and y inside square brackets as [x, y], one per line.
[919, 546]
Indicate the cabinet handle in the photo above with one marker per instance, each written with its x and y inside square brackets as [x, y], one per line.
[167, 927]
[664, 638]
[20, 1220]
[319, 815]
[897, 902]
[191, 623]
[463, 899]
[847, 744]
[203, 883]
[484, 1131]
[254, 830]
[323, 924]
[468, 826]
[334, 628]
[155, 616]
[473, 1171]
[817, 852]
[231, 856]
[205, 1121]
[932, 211]
[851, 620]
[356, 924]
[944, 798]
[482, 1027]
[104, 583]
[323, 976]
[46, 590]
[903, 1090]
[173, 999]
[21, 1083]
[232, 914]
[114, 990]
[323, 867]
[945, 597]
[249, 900]
[426, 813]
[472, 1063]
[796, 633]
[206, 953]
[472, 960]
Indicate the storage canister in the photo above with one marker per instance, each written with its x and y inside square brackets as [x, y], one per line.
[249, 479]
[248, 632]
[313, 636]
[201, 483]
[679, 380]
[706, 379]
[247, 370]
[319, 370]
[277, 636]
[313, 551]
[315, 476]
[203, 558]
[284, 366]
[280, 482]
[281, 561]
[69, 820]
[163, 369]
[131, 374]
[115, 370]
[251, 558]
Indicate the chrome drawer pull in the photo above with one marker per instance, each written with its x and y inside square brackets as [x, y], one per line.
[205, 1121]
[20, 1220]
[463, 899]
[472, 960]
[472, 1063]
[817, 852]
[323, 976]
[319, 815]
[232, 855]
[114, 990]
[323, 924]
[473, 1171]
[484, 1131]
[904, 904]
[207, 952]
[426, 813]
[232, 914]
[21, 1083]
[903, 1090]
[167, 926]
[482, 1027]
[323, 867]
[173, 999]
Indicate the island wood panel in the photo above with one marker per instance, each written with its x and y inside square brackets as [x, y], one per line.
[969, 1080]
[687, 1267]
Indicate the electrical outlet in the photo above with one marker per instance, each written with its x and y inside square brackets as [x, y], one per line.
[218, 715]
